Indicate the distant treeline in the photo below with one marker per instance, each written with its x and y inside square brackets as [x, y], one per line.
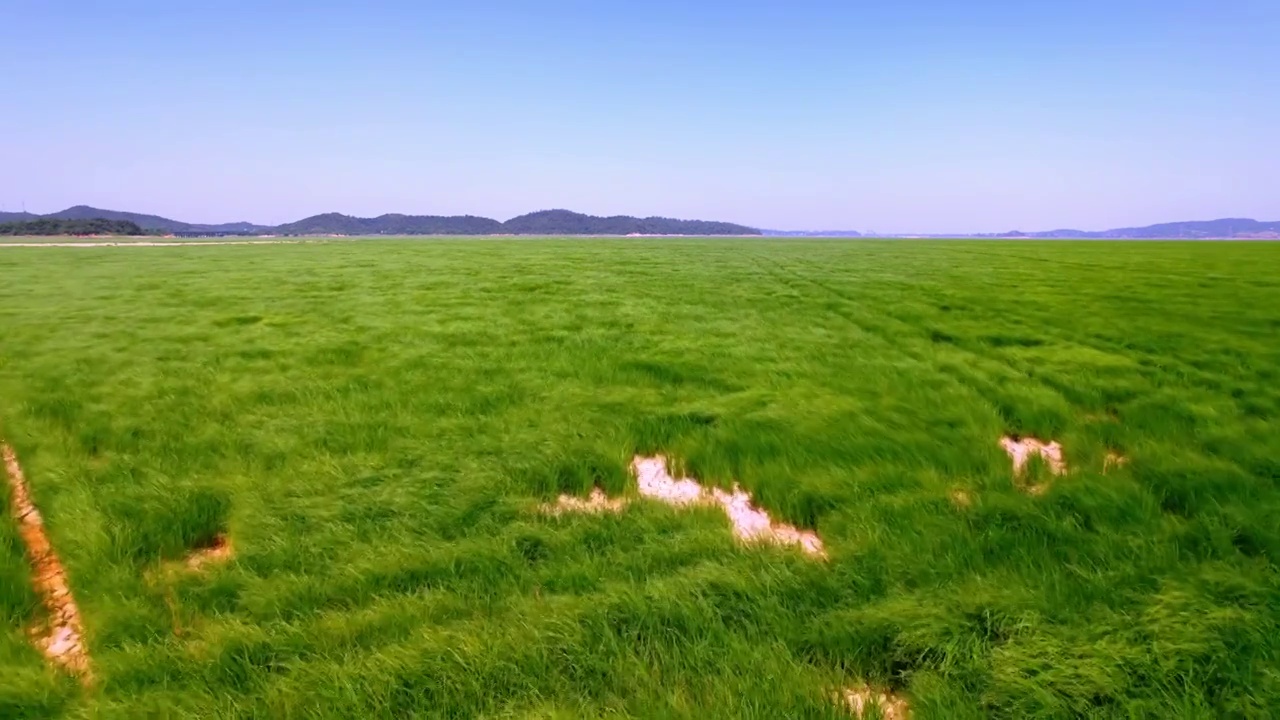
[53, 226]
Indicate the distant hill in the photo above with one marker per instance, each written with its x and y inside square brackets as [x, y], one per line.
[246, 228]
[546, 222]
[149, 222]
[1226, 228]
[565, 222]
[78, 226]
[338, 224]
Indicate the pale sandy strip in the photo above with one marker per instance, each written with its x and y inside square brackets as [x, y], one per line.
[62, 640]
[750, 523]
[1021, 450]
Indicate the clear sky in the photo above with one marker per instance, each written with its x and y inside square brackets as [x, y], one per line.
[892, 116]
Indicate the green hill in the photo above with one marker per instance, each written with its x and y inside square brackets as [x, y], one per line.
[57, 226]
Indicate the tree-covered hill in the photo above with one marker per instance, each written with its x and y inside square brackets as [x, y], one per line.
[57, 226]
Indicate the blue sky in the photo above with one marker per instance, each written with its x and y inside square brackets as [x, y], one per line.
[907, 116]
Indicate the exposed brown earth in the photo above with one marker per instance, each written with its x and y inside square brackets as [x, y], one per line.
[1114, 461]
[61, 635]
[597, 502]
[219, 551]
[892, 707]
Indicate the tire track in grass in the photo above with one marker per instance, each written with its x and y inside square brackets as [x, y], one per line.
[889, 338]
[1128, 267]
[993, 356]
[779, 271]
[1041, 325]
[1051, 332]
[62, 638]
[798, 281]
[886, 334]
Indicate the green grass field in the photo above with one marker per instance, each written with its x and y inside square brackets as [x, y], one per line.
[374, 424]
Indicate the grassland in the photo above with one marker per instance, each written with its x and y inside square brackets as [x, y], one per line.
[374, 424]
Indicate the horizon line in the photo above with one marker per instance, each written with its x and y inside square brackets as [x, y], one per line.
[760, 228]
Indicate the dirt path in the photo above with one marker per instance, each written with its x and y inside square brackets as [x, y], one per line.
[61, 638]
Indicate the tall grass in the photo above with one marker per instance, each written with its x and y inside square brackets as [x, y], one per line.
[375, 423]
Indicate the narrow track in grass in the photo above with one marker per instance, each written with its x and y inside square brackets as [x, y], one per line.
[894, 328]
[796, 280]
[1040, 324]
[62, 637]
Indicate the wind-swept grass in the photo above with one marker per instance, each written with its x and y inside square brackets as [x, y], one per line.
[375, 424]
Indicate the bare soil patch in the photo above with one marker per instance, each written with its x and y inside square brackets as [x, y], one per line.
[595, 503]
[750, 523]
[61, 636]
[1021, 450]
[1114, 461]
[859, 699]
[218, 551]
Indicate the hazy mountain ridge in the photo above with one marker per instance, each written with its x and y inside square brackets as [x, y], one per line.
[147, 222]
[391, 224]
[1226, 228]
[544, 222]
[565, 222]
[550, 222]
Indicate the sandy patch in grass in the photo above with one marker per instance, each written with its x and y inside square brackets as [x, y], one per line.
[62, 638]
[219, 551]
[891, 706]
[750, 523]
[1114, 461]
[595, 503]
[1021, 450]
[1036, 490]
